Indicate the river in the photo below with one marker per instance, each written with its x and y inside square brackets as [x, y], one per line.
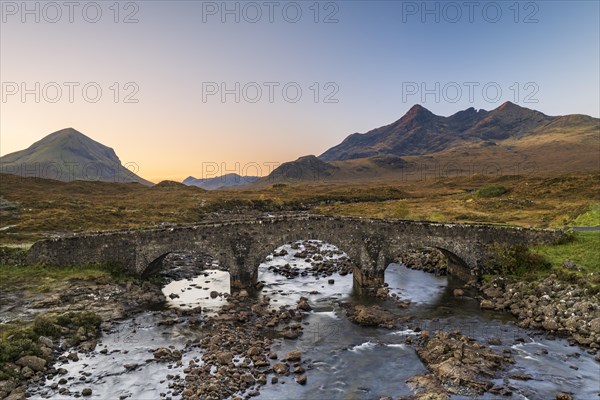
[345, 361]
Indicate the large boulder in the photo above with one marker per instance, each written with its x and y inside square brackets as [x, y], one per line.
[33, 362]
[371, 316]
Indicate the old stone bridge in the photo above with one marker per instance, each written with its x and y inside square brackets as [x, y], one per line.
[241, 245]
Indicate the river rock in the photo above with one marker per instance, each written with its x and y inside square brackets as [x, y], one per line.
[486, 305]
[455, 358]
[165, 354]
[371, 316]
[303, 304]
[45, 341]
[33, 362]
[224, 357]
[550, 324]
[564, 396]
[86, 392]
[6, 387]
[301, 379]
[294, 355]
[280, 368]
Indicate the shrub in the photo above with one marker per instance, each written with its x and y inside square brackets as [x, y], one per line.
[516, 260]
[44, 326]
[16, 342]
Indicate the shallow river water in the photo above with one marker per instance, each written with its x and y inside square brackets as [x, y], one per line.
[346, 361]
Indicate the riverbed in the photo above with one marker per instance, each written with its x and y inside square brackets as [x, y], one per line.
[344, 360]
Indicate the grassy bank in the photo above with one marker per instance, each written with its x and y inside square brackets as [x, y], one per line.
[538, 262]
[23, 339]
[32, 209]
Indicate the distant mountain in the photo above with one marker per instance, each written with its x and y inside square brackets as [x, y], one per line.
[220, 182]
[420, 132]
[304, 168]
[421, 145]
[69, 155]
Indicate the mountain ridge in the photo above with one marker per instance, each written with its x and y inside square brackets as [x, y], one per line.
[67, 155]
[420, 132]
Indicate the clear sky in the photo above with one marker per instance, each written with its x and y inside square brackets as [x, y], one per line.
[196, 70]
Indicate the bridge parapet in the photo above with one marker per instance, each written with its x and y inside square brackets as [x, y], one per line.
[241, 245]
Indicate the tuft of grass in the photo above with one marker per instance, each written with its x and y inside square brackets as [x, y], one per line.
[589, 218]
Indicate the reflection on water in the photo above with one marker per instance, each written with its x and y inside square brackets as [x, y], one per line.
[414, 285]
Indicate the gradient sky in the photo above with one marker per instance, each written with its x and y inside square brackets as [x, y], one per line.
[372, 55]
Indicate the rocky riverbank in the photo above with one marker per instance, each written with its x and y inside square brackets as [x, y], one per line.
[236, 356]
[562, 309]
[71, 316]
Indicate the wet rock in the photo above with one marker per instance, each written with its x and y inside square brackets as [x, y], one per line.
[294, 355]
[254, 351]
[458, 292]
[371, 316]
[86, 392]
[73, 356]
[564, 396]
[455, 358]
[520, 377]
[486, 305]
[301, 379]
[281, 368]
[550, 324]
[427, 387]
[224, 357]
[303, 304]
[165, 354]
[382, 292]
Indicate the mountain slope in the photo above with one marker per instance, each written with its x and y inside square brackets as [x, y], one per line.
[306, 168]
[420, 132]
[219, 182]
[68, 155]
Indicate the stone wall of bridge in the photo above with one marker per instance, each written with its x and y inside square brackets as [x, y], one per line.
[240, 246]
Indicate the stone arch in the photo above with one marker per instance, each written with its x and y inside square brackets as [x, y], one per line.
[456, 265]
[149, 258]
[154, 266]
[456, 253]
